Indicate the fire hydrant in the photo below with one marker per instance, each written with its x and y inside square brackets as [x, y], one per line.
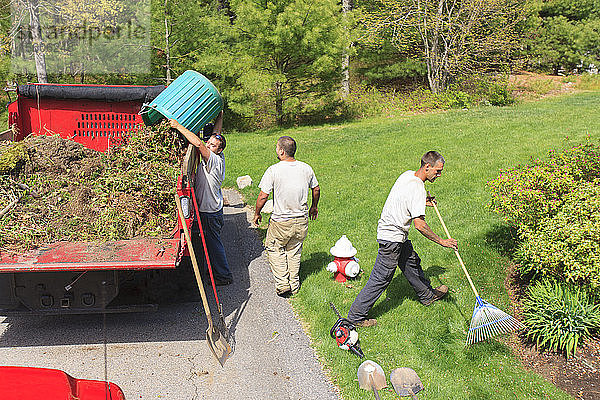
[344, 264]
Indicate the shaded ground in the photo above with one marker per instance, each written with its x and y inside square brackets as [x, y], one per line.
[578, 375]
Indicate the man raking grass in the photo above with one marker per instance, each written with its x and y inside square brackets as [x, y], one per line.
[405, 205]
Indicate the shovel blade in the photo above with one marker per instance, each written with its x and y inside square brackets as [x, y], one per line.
[405, 381]
[371, 375]
[217, 344]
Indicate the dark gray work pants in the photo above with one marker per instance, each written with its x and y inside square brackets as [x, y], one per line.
[390, 256]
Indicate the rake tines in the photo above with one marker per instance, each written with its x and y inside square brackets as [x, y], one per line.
[488, 321]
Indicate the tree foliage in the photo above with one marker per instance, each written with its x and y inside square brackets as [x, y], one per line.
[288, 52]
[564, 34]
[454, 37]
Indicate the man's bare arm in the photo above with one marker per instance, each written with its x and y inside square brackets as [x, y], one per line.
[260, 203]
[426, 231]
[192, 138]
[218, 128]
[314, 211]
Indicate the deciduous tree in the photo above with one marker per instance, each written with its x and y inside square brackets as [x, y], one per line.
[454, 37]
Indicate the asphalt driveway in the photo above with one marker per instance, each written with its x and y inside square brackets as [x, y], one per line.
[164, 355]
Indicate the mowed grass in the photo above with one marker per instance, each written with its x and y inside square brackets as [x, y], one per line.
[356, 165]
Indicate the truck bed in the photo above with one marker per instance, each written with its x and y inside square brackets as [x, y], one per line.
[133, 254]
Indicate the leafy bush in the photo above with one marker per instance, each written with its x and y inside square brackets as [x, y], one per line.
[454, 99]
[567, 245]
[498, 94]
[388, 73]
[11, 156]
[560, 316]
[555, 207]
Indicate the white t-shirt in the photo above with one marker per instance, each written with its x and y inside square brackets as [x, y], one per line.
[209, 176]
[405, 202]
[289, 181]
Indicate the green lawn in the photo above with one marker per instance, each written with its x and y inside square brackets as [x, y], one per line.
[356, 165]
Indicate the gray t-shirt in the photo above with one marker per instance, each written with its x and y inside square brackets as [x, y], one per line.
[209, 176]
[405, 202]
[289, 181]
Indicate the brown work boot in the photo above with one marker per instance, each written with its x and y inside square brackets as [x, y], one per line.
[438, 293]
[365, 323]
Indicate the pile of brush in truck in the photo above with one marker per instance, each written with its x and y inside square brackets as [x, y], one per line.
[80, 276]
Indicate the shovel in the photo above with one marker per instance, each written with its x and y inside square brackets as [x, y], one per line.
[371, 377]
[406, 382]
[190, 163]
[217, 343]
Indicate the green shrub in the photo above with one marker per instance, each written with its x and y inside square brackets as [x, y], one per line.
[560, 316]
[11, 156]
[529, 193]
[453, 99]
[567, 245]
[498, 94]
[555, 207]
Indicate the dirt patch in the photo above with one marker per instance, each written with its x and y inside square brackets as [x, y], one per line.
[578, 375]
[531, 86]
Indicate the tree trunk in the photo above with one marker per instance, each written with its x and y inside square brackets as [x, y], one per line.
[279, 102]
[167, 48]
[38, 45]
[346, 6]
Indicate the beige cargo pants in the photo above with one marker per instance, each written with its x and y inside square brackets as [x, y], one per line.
[284, 248]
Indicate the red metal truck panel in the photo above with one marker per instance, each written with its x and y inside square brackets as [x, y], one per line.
[26, 383]
[134, 254]
[96, 125]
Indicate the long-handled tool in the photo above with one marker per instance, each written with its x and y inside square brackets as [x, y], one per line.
[222, 324]
[190, 164]
[216, 342]
[406, 382]
[371, 377]
[487, 320]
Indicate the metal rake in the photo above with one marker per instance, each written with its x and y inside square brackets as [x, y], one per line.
[487, 320]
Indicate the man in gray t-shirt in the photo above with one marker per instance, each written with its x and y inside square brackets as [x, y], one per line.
[290, 181]
[405, 205]
[208, 180]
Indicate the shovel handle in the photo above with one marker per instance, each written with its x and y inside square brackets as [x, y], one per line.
[375, 392]
[455, 251]
[188, 239]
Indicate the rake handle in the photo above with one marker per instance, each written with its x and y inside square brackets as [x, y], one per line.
[455, 251]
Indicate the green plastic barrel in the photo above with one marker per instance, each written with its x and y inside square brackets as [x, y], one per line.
[191, 99]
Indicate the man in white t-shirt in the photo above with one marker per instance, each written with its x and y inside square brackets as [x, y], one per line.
[405, 204]
[290, 181]
[207, 187]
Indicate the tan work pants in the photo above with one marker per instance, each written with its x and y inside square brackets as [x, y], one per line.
[284, 248]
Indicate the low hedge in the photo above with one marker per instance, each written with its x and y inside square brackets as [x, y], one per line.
[554, 204]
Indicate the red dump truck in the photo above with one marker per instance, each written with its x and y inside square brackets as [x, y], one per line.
[82, 277]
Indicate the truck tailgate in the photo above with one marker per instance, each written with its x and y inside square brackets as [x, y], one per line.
[134, 254]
